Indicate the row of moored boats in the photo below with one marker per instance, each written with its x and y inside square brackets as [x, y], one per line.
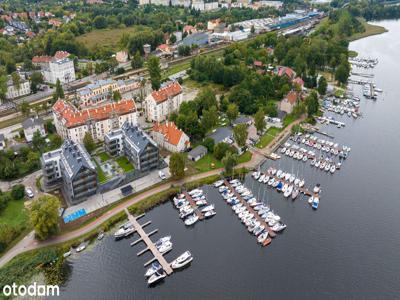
[255, 215]
[190, 213]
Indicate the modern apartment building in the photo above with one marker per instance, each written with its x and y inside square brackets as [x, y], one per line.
[72, 123]
[135, 144]
[72, 168]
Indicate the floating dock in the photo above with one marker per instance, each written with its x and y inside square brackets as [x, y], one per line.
[193, 205]
[271, 233]
[150, 245]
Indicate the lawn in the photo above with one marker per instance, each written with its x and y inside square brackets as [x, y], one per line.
[105, 37]
[124, 164]
[204, 164]
[15, 214]
[245, 157]
[268, 137]
[289, 119]
[104, 156]
[100, 173]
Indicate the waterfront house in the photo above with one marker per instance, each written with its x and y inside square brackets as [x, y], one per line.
[289, 102]
[197, 153]
[170, 137]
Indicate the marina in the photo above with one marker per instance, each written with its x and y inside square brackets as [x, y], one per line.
[336, 238]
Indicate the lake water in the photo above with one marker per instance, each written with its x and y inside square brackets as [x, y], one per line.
[347, 249]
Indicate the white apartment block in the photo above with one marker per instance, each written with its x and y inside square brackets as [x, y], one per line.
[62, 69]
[160, 104]
[14, 92]
[72, 123]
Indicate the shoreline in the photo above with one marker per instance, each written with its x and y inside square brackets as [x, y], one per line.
[370, 30]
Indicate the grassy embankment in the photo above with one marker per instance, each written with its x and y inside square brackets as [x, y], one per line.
[370, 29]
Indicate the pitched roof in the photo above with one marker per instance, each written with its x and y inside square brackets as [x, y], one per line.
[164, 93]
[286, 71]
[199, 150]
[30, 122]
[73, 117]
[221, 133]
[74, 156]
[258, 63]
[291, 97]
[299, 81]
[137, 138]
[172, 134]
[41, 59]
[61, 54]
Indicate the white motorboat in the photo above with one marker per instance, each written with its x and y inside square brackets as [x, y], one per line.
[295, 193]
[292, 178]
[288, 191]
[296, 181]
[285, 187]
[287, 176]
[191, 220]
[207, 208]
[279, 173]
[315, 202]
[278, 227]
[80, 248]
[182, 260]
[124, 232]
[266, 179]
[311, 199]
[165, 247]
[261, 178]
[157, 276]
[66, 254]
[195, 191]
[218, 183]
[210, 213]
[317, 188]
[317, 164]
[301, 183]
[155, 266]
[201, 202]
[262, 237]
[271, 181]
[164, 239]
[283, 150]
[333, 169]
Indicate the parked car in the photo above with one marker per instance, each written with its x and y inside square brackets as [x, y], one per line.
[29, 192]
[162, 175]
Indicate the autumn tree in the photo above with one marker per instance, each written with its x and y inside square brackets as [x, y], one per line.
[44, 216]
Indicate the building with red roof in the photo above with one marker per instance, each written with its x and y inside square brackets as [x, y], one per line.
[170, 137]
[160, 104]
[286, 71]
[72, 123]
[289, 102]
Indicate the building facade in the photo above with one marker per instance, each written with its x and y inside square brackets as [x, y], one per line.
[72, 123]
[56, 67]
[101, 91]
[32, 125]
[15, 92]
[135, 144]
[170, 137]
[72, 168]
[160, 104]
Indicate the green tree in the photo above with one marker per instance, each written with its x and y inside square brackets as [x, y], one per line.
[259, 120]
[229, 161]
[137, 61]
[322, 85]
[116, 96]
[18, 192]
[209, 118]
[271, 110]
[88, 142]
[312, 104]
[220, 150]
[153, 65]
[3, 84]
[36, 79]
[59, 92]
[44, 216]
[38, 142]
[342, 73]
[240, 134]
[209, 144]
[177, 165]
[100, 22]
[172, 38]
[16, 79]
[25, 108]
[232, 112]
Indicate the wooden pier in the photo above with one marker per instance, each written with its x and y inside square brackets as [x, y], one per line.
[150, 245]
[193, 205]
[271, 233]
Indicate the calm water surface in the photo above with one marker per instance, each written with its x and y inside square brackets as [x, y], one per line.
[348, 249]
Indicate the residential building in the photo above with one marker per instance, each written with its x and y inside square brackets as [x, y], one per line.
[72, 123]
[242, 120]
[72, 169]
[197, 153]
[135, 144]
[15, 92]
[122, 56]
[222, 134]
[159, 104]
[170, 137]
[286, 71]
[57, 67]
[289, 102]
[32, 125]
[101, 91]
[184, 3]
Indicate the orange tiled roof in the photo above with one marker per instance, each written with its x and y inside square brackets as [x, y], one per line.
[41, 59]
[61, 54]
[169, 91]
[73, 117]
[291, 97]
[172, 134]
